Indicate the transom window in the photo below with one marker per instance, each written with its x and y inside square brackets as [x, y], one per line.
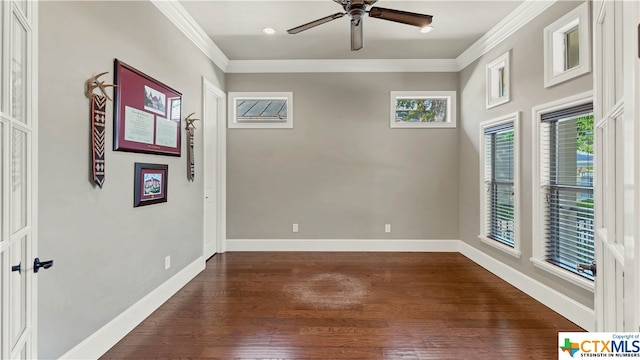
[260, 110]
[567, 49]
[498, 81]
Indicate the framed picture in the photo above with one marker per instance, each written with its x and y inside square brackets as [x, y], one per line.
[260, 110]
[147, 113]
[150, 184]
[423, 109]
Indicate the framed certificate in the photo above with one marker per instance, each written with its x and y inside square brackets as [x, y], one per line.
[147, 113]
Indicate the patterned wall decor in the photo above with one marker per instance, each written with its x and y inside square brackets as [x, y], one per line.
[190, 155]
[98, 131]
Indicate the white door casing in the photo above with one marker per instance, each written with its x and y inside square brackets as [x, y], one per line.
[617, 138]
[18, 179]
[214, 168]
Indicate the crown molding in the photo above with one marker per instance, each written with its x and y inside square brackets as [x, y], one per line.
[177, 14]
[338, 65]
[518, 18]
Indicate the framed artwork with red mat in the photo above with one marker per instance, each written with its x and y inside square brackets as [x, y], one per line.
[147, 113]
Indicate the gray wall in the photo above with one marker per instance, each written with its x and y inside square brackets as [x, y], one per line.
[527, 90]
[341, 172]
[107, 254]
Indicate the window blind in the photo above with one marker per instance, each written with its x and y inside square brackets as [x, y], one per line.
[566, 149]
[499, 178]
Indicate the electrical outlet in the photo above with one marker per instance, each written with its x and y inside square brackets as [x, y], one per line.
[294, 228]
[167, 262]
[387, 228]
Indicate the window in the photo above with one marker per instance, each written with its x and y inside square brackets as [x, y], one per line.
[567, 49]
[421, 109]
[260, 110]
[572, 48]
[499, 163]
[563, 212]
[498, 81]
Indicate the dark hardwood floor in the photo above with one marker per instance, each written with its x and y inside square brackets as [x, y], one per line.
[346, 306]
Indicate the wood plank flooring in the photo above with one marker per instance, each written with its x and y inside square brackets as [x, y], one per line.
[346, 306]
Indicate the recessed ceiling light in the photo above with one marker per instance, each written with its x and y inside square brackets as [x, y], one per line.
[426, 29]
[269, 30]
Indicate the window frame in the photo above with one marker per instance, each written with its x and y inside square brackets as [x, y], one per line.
[451, 108]
[232, 120]
[555, 56]
[484, 211]
[538, 240]
[493, 80]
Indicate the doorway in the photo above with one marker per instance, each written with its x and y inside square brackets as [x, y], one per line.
[214, 168]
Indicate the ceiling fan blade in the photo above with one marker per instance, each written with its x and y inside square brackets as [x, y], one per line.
[403, 17]
[357, 38]
[315, 23]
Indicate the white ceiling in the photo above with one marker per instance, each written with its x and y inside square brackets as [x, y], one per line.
[236, 28]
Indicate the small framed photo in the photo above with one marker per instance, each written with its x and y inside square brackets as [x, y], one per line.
[423, 109]
[260, 110]
[150, 184]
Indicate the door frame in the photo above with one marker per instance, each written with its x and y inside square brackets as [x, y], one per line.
[630, 234]
[30, 21]
[209, 87]
[632, 105]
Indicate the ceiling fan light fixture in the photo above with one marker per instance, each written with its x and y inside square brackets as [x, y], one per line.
[269, 30]
[426, 29]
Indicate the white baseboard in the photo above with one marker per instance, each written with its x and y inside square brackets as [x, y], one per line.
[362, 245]
[574, 311]
[98, 343]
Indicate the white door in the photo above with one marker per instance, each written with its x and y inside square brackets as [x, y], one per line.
[18, 179]
[617, 141]
[214, 149]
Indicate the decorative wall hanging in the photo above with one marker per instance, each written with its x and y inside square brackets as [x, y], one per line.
[190, 155]
[98, 105]
[147, 113]
[150, 184]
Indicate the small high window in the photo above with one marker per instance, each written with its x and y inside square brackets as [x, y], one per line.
[498, 81]
[423, 109]
[260, 110]
[567, 49]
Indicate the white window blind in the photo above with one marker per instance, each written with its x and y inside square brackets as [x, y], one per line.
[566, 164]
[499, 183]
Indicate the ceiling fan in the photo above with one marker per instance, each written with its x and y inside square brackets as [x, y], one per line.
[356, 10]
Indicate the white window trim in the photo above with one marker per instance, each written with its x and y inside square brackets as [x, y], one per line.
[554, 53]
[515, 251]
[231, 106]
[537, 236]
[451, 108]
[493, 85]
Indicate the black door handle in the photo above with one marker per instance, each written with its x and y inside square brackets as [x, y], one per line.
[37, 264]
[16, 268]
